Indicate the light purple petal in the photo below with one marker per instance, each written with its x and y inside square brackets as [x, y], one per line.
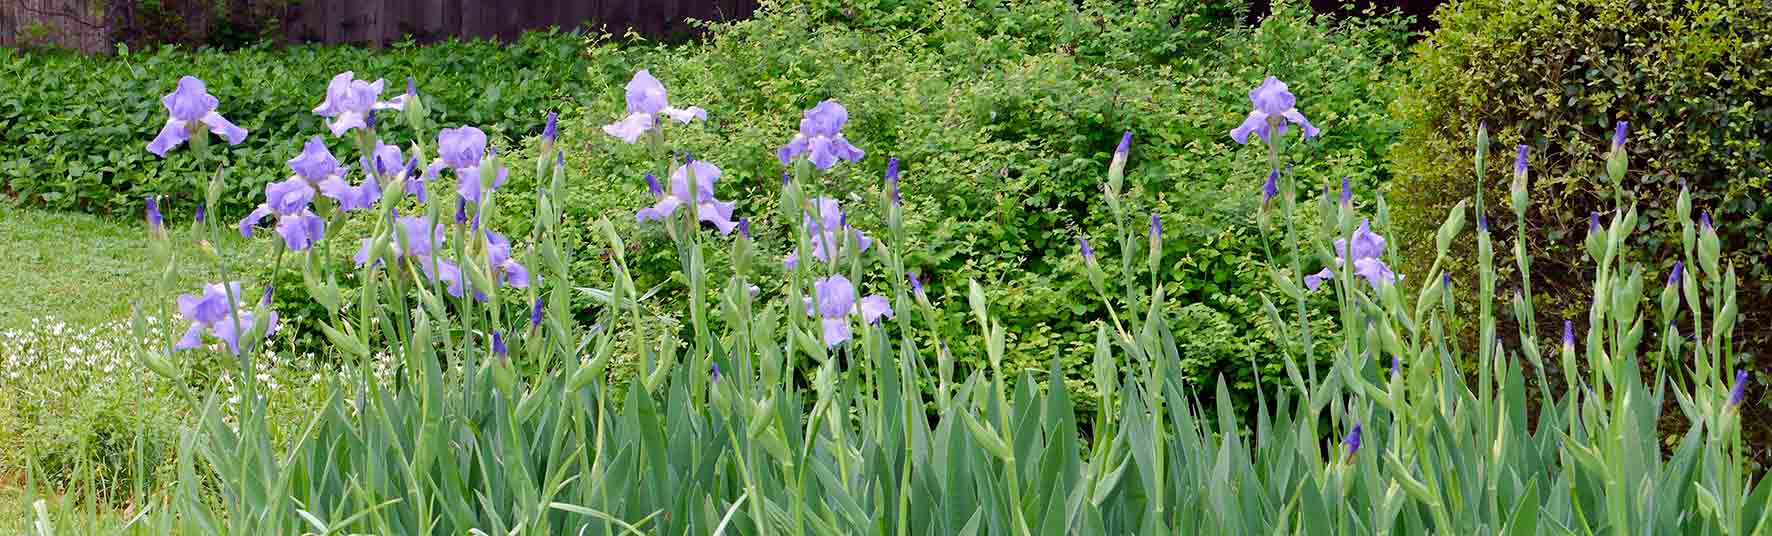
[836, 330]
[1315, 280]
[301, 231]
[172, 135]
[190, 101]
[221, 127]
[257, 215]
[794, 148]
[790, 262]
[630, 128]
[315, 163]
[1310, 131]
[1375, 271]
[836, 296]
[825, 119]
[193, 338]
[1256, 123]
[685, 115]
[345, 121]
[666, 206]
[874, 307]
[1272, 97]
[645, 94]
[461, 147]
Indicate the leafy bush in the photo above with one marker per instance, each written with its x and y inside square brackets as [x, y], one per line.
[1555, 75]
[1002, 114]
[72, 127]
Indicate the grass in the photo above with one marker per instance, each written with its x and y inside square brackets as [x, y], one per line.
[84, 269]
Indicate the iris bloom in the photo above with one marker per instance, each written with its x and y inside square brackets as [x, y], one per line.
[191, 108]
[297, 224]
[385, 159]
[316, 164]
[708, 208]
[646, 101]
[210, 312]
[505, 268]
[420, 244]
[463, 150]
[825, 230]
[1366, 251]
[836, 301]
[1274, 107]
[349, 102]
[821, 137]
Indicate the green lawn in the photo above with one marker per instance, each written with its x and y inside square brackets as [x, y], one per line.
[85, 269]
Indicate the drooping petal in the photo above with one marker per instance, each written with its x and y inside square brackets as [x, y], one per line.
[718, 213]
[222, 127]
[1315, 280]
[252, 219]
[346, 121]
[630, 128]
[795, 147]
[836, 330]
[873, 307]
[1256, 123]
[1310, 131]
[172, 135]
[666, 206]
[301, 231]
[1375, 271]
[685, 115]
[193, 338]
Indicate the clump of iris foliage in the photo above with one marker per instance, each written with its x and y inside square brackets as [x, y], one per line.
[813, 409]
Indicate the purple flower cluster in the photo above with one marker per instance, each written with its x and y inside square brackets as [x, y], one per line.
[1275, 106]
[190, 108]
[708, 208]
[351, 103]
[827, 232]
[1365, 250]
[211, 312]
[821, 137]
[646, 102]
[837, 301]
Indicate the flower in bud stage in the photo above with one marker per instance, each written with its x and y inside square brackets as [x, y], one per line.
[1618, 134]
[156, 223]
[1520, 161]
[1673, 277]
[535, 313]
[1347, 191]
[1156, 226]
[498, 344]
[892, 180]
[1740, 388]
[1271, 188]
[552, 130]
[1083, 244]
[1352, 441]
[1569, 335]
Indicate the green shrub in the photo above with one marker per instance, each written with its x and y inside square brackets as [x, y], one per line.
[73, 128]
[1555, 75]
[1003, 114]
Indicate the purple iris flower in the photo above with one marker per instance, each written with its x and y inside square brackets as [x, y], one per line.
[211, 312]
[1396, 366]
[1083, 245]
[1673, 277]
[1352, 441]
[1739, 389]
[359, 197]
[156, 223]
[505, 268]
[463, 150]
[316, 164]
[349, 102]
[892, 180]
[825, 231]
[1274, 107]
[646, 101]
[288, 200]
[1366, 251]
[419, 243]
[1704, 221]
[836, 301]
[1156, 226]
[1520, 161]
[386, 160]
[498, 344]
[916, 284]
[1618, 134]
[1569, 335]
[1125, 147]
[1347, 191]
[191, 108]
[715, 372]
[744, 227]
[1271, 188]
[202, 212]
[710, 210]
[821, 137]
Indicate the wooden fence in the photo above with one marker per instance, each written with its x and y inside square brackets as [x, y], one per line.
[93, 25]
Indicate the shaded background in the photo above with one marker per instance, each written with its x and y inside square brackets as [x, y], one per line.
[95, 25]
